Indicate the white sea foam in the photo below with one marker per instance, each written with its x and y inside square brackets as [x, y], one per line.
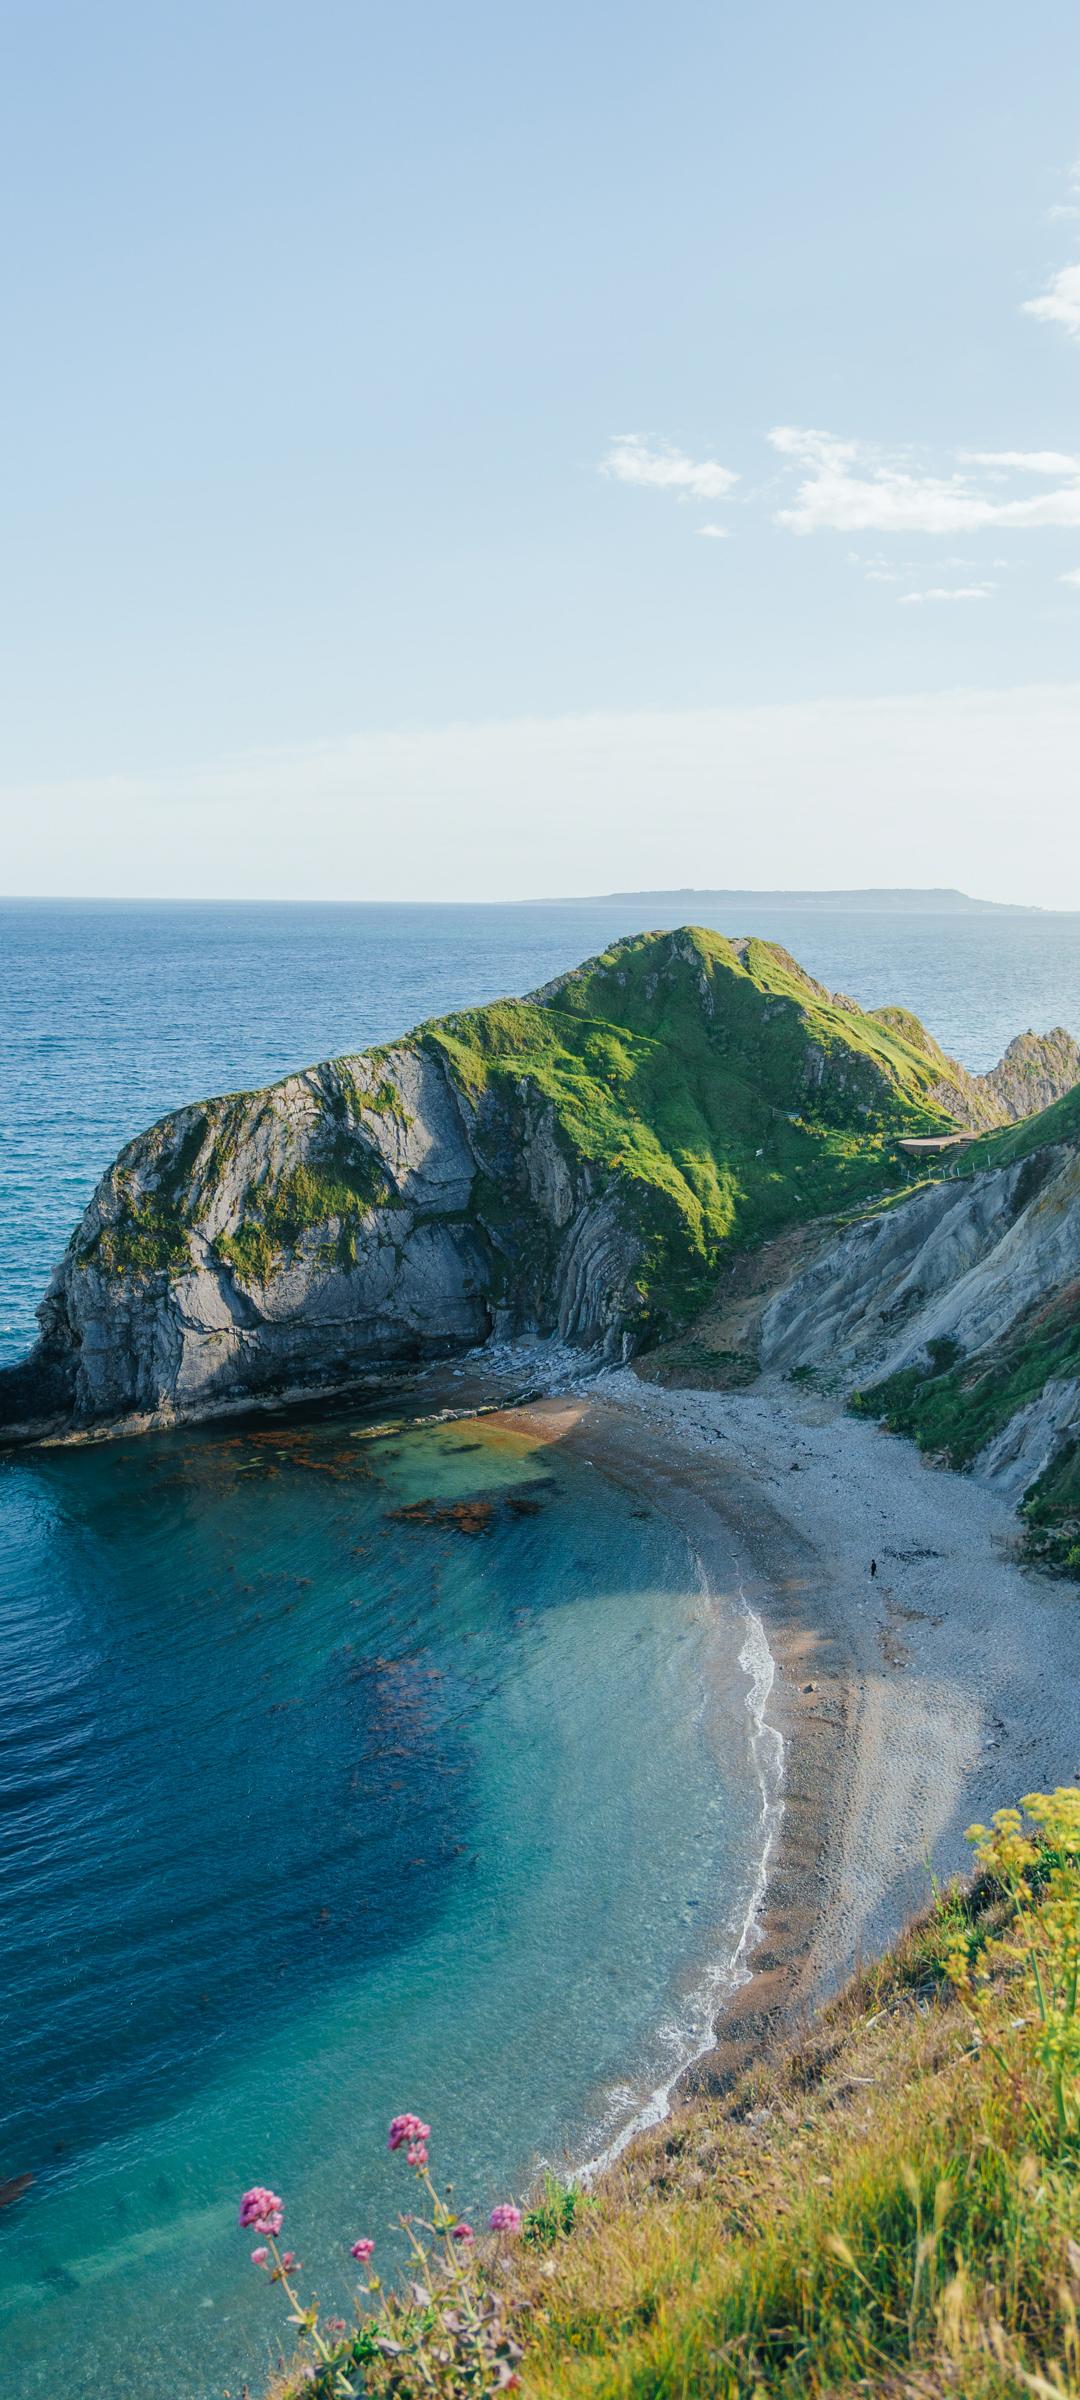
[693, 2037]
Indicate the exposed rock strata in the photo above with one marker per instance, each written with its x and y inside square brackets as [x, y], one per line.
[468, 1220]
[972, 1281]
[576, 1164]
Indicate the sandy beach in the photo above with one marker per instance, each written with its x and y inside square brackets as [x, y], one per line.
[910, 1702]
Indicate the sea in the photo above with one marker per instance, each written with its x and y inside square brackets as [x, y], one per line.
[359, 1764]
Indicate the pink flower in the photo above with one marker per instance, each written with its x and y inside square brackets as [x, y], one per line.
[262, 2209]
[463, 2232]
[505, 2218]
[259, 2257]
[335, 2324]
[289, 2260]
[362, 2250]
[416, 2154]
[407, 2129]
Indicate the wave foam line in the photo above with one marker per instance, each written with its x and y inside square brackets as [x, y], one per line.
[728, 1976]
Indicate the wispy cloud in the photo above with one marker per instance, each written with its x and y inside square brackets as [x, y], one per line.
[1070, 207]
[1026, 462]
[1071, 575]
[849, 487]
[715, 533]
[630, 460]
[1060, 303]
[948, 591]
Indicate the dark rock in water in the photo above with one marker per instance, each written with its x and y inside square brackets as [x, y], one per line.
[465, 1516]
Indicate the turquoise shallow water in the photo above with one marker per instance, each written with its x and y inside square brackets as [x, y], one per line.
[315, 1811]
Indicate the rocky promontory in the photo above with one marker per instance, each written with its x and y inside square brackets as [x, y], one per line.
[576, 1163]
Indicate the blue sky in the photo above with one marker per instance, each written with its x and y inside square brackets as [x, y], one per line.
[481, 451]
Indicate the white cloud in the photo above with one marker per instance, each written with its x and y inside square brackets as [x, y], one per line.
[874, 568]
[630, 460]
[1060, 303]
[1026, 462]
[1071, 575]
[731, 796]
[715, 533]
[849, 487]
[962, 591]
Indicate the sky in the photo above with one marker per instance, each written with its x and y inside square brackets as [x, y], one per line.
[484, 452]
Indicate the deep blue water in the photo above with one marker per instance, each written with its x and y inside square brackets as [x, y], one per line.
[310, 1811]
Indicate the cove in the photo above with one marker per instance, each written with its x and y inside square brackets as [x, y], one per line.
[344, 1768]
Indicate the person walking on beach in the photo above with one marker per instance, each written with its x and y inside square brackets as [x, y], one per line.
[873, 1568]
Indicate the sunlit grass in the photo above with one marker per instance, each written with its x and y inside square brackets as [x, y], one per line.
[893, 2206]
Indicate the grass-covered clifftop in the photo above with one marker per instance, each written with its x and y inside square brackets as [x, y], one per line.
[581, 1162]
[723, 1088]
[574, 1163]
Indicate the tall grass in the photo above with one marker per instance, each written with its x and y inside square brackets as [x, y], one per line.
[892, 2207]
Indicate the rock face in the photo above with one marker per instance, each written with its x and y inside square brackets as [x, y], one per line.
[955, 1317]
[1037, 1069]
[363, 1213]
[958, 1263]
[572, 1164]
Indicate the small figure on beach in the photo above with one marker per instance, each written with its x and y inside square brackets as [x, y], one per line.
[873, 1568]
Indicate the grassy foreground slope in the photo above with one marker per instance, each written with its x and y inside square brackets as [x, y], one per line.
[892, 2207]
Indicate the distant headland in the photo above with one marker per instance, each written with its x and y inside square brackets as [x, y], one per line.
[936, 901]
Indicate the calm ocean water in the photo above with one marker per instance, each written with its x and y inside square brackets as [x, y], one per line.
[310, 1811]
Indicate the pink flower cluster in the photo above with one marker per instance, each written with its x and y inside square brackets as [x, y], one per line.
[408, 2129]
[362, 2250]
[463, 2232]
[505, 2218]
[262, 2209]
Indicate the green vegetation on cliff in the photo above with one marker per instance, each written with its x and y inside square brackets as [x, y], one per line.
[727, 1092]
[147, 1236]
[707, 1094]
[952, 1406]
[1058, 1123]
[711, 1089]
[334, 1200]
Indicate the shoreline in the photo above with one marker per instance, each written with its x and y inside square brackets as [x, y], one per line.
[908, 1703]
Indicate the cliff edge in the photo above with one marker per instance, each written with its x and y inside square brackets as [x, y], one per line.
[570, 1164]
